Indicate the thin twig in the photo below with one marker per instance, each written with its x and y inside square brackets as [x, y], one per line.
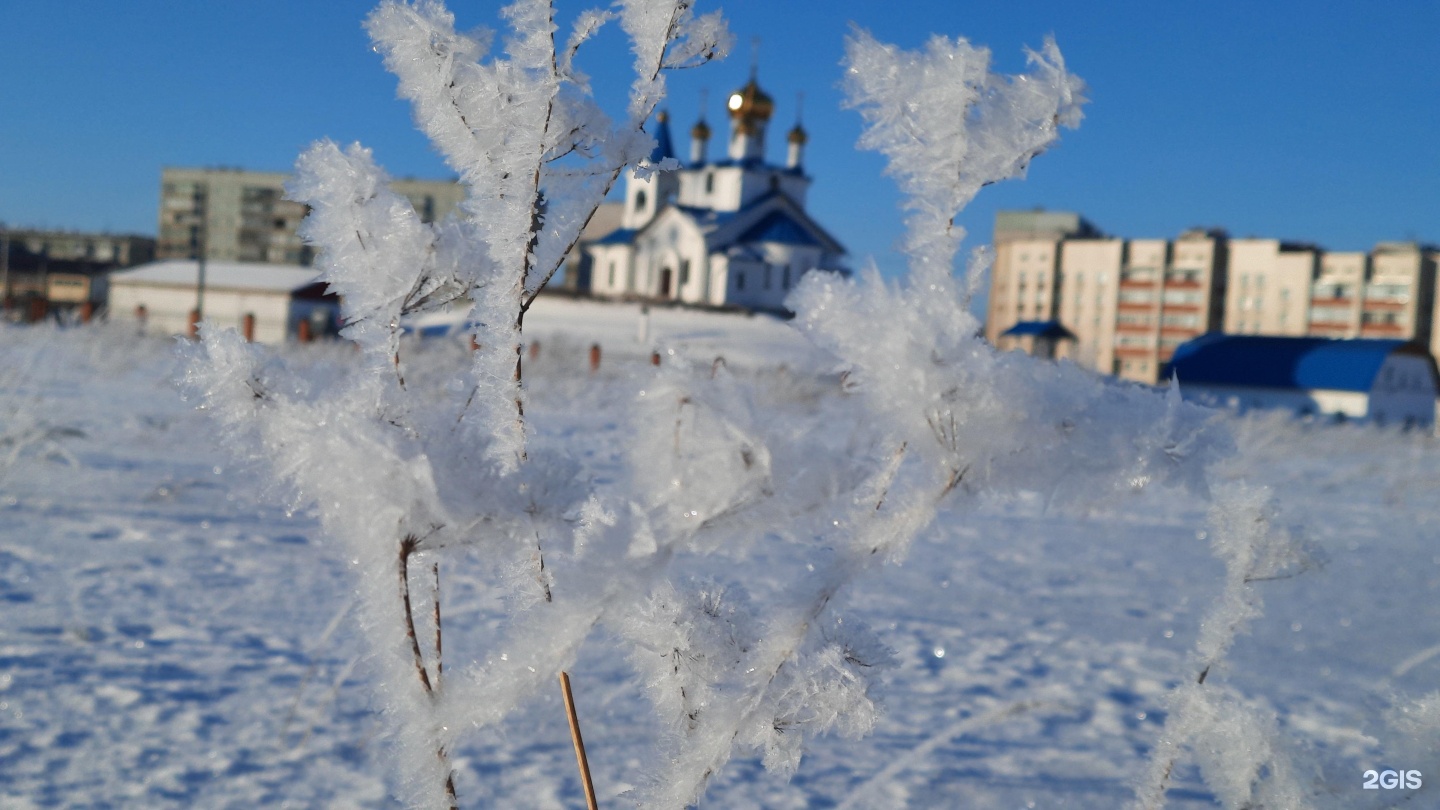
[579, 742]
[407, 547]
[439, 647]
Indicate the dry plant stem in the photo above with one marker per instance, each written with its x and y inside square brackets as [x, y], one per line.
[579, 742]
[439, 646]
[407, 547]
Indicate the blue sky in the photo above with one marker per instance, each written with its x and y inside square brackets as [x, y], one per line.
[1317, 122]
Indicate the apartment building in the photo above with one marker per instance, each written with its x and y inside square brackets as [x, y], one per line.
[108, 249]
[1399, 294]
[1025, 274]
[1130, 303]
[236, 215]
[1270, 287]
[1336, 294]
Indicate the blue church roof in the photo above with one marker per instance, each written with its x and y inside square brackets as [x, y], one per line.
[1263, 361]
[664, 148]
[777, 226]
[619, 236]
[1044, 329]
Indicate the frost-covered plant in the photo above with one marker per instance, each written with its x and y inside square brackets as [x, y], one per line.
[403, 475]
[395, 475]
[1237, 745]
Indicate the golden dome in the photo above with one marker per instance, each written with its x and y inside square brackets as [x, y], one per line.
[750, 103]
[797, 136]
[701, 131]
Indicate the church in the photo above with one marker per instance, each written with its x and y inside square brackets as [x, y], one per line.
[731, 232]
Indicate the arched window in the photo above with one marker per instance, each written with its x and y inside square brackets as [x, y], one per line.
[639, 201]
[709, 182]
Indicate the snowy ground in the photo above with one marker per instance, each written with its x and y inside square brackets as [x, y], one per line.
[173, 637]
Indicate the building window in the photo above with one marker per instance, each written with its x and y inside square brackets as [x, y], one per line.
[709, 182]
[739, 279]
[684, 272]
[612, 267]
[639, 201]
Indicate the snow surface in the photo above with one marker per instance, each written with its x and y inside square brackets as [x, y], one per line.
[174, 639]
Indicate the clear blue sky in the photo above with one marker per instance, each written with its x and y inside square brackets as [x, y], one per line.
[1307, 121]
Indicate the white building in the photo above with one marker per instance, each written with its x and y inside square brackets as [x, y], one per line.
[727, 232]
[276, 298]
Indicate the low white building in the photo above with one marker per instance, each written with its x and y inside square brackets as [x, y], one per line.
[278, 298]
[1385, 381]
[729, 232]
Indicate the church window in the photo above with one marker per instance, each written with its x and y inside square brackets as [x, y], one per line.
[612, 272]
[709, 182]
[739, 279]
[684, 272]
[639, 201]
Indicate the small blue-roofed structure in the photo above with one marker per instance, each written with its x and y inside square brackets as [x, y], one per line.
[1037, 338]
[1386, 381]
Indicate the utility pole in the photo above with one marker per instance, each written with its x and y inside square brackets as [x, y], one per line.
[4, 267]
[198, 244]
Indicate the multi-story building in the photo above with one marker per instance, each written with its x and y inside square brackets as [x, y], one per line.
[1399, 294]
[235, 215]
[1128, 304]
[1270, 287]
[1336, 294]
[108, 249]
[1026, 269]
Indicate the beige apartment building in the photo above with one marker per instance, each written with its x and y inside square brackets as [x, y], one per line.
[1270, 287]
[236, 215]
[1130, 303]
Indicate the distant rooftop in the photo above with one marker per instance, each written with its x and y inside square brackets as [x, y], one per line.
[221, 275]
[1264, 361]
[1042, 224]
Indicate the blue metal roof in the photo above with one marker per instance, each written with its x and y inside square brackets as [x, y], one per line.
[619, 236]
[1264, 361]
[1046, 329]
[777, 226]
[664, 148]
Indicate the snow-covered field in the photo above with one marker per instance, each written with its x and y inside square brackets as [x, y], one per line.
[174, 636]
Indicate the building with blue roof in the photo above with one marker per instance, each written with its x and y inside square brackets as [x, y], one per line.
[1389, 381]
[728, 232]
[1037, 338]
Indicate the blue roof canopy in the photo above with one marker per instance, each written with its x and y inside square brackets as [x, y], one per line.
[1264, 361]
[1043, 329]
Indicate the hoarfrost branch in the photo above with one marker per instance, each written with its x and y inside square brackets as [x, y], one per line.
[931, 417]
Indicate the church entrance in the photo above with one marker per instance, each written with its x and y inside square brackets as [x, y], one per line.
[665, 276]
